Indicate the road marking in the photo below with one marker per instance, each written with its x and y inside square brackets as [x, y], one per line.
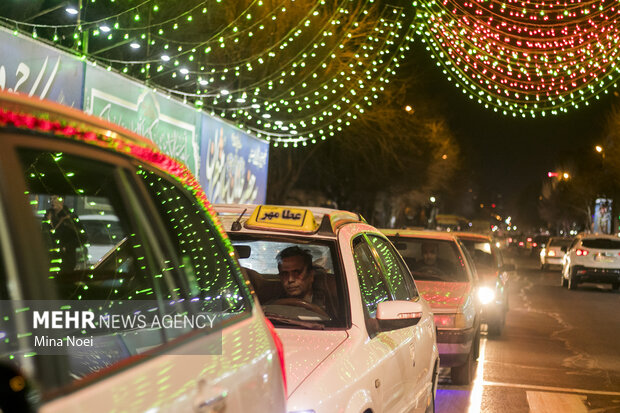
[475, 399]
[542, 402]
[550, 389]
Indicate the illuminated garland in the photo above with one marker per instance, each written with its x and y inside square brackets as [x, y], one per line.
[328, 63]
[148, 154]
[524, 58]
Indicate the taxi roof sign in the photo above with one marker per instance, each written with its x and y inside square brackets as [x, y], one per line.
[282, 218]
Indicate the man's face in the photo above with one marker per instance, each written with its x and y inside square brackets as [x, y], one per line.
[57, 203]
[429, 254]
[295, 277]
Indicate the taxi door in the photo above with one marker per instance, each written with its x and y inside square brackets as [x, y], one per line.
[391, 350]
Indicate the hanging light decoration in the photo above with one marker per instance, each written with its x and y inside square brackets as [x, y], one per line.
[524, 58]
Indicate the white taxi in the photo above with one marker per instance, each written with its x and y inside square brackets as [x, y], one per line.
[357, 336]
[164, 259]
[446, 277]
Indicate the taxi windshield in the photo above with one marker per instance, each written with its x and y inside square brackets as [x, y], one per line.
[297, 282]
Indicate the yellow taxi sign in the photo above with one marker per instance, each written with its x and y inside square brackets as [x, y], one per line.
[282, 218]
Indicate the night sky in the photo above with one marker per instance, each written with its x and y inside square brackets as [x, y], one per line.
[505, 155]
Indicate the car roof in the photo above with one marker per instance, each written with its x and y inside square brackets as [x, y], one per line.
[56, 112]
[330, 219]
[24, 112]
[598, 235]
[412, 233]
[472, 236]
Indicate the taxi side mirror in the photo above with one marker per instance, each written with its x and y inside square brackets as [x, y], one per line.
[393, 315]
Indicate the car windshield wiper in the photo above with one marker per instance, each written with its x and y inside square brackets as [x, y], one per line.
[275, 318]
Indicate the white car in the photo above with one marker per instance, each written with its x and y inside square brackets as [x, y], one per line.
[450, 285]
[357, 336]
[553, 252]
[172, 269]
[592, 258]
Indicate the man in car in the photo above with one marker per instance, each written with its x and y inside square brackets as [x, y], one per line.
[295, 271]
[431, 263]
[303, 281]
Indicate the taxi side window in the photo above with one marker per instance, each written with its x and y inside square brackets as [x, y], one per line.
[119, 264]
[372, 283]
[209, 270]
[396, 273]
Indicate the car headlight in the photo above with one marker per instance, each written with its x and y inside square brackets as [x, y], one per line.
[486, 295]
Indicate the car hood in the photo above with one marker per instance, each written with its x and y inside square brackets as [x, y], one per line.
[442, 295]
[305, 350]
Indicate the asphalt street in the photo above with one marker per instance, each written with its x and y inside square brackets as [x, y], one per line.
[559, 352]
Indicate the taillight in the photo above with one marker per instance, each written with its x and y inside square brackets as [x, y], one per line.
[280, 349]
[534, 244]
[551, 253]
[581, 252]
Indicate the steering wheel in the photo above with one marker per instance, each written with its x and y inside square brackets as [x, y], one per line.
[298, 302]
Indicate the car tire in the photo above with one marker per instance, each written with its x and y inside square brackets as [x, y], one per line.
[563, 280]
[463, 374]
[572, 282]
[615, 286]
[430, 408]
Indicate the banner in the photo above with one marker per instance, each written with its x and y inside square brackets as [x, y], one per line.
[233, 165]
[168, 123]
[602, 216]
[230, 164]
[32, 67]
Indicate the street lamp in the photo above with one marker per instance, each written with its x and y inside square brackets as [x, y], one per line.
[600, 149]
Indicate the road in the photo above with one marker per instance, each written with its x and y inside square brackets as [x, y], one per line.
[560, 351]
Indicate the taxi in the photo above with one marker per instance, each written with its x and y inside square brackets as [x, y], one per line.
[97, 221]
[446, 277]
[356, 333]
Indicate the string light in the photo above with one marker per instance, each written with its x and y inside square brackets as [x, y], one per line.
[524, 58]
[327, 62]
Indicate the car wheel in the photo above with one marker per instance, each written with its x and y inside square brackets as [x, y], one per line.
[615, 286]
[572, 282]
[464, 373]
[430, 407]
[564, 281]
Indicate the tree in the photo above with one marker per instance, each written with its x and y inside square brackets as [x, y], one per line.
[388, 157]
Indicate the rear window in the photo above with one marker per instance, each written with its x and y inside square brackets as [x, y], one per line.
[432, 260]
[601, 243]
[560, 242]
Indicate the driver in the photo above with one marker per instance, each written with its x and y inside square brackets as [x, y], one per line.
[298, 278]
[295, 271]
[430, 261]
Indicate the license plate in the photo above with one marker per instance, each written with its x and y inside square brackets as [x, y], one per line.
[603, 258]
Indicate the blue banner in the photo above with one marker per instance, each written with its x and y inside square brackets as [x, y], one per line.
[36, 69]
[233, 165]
